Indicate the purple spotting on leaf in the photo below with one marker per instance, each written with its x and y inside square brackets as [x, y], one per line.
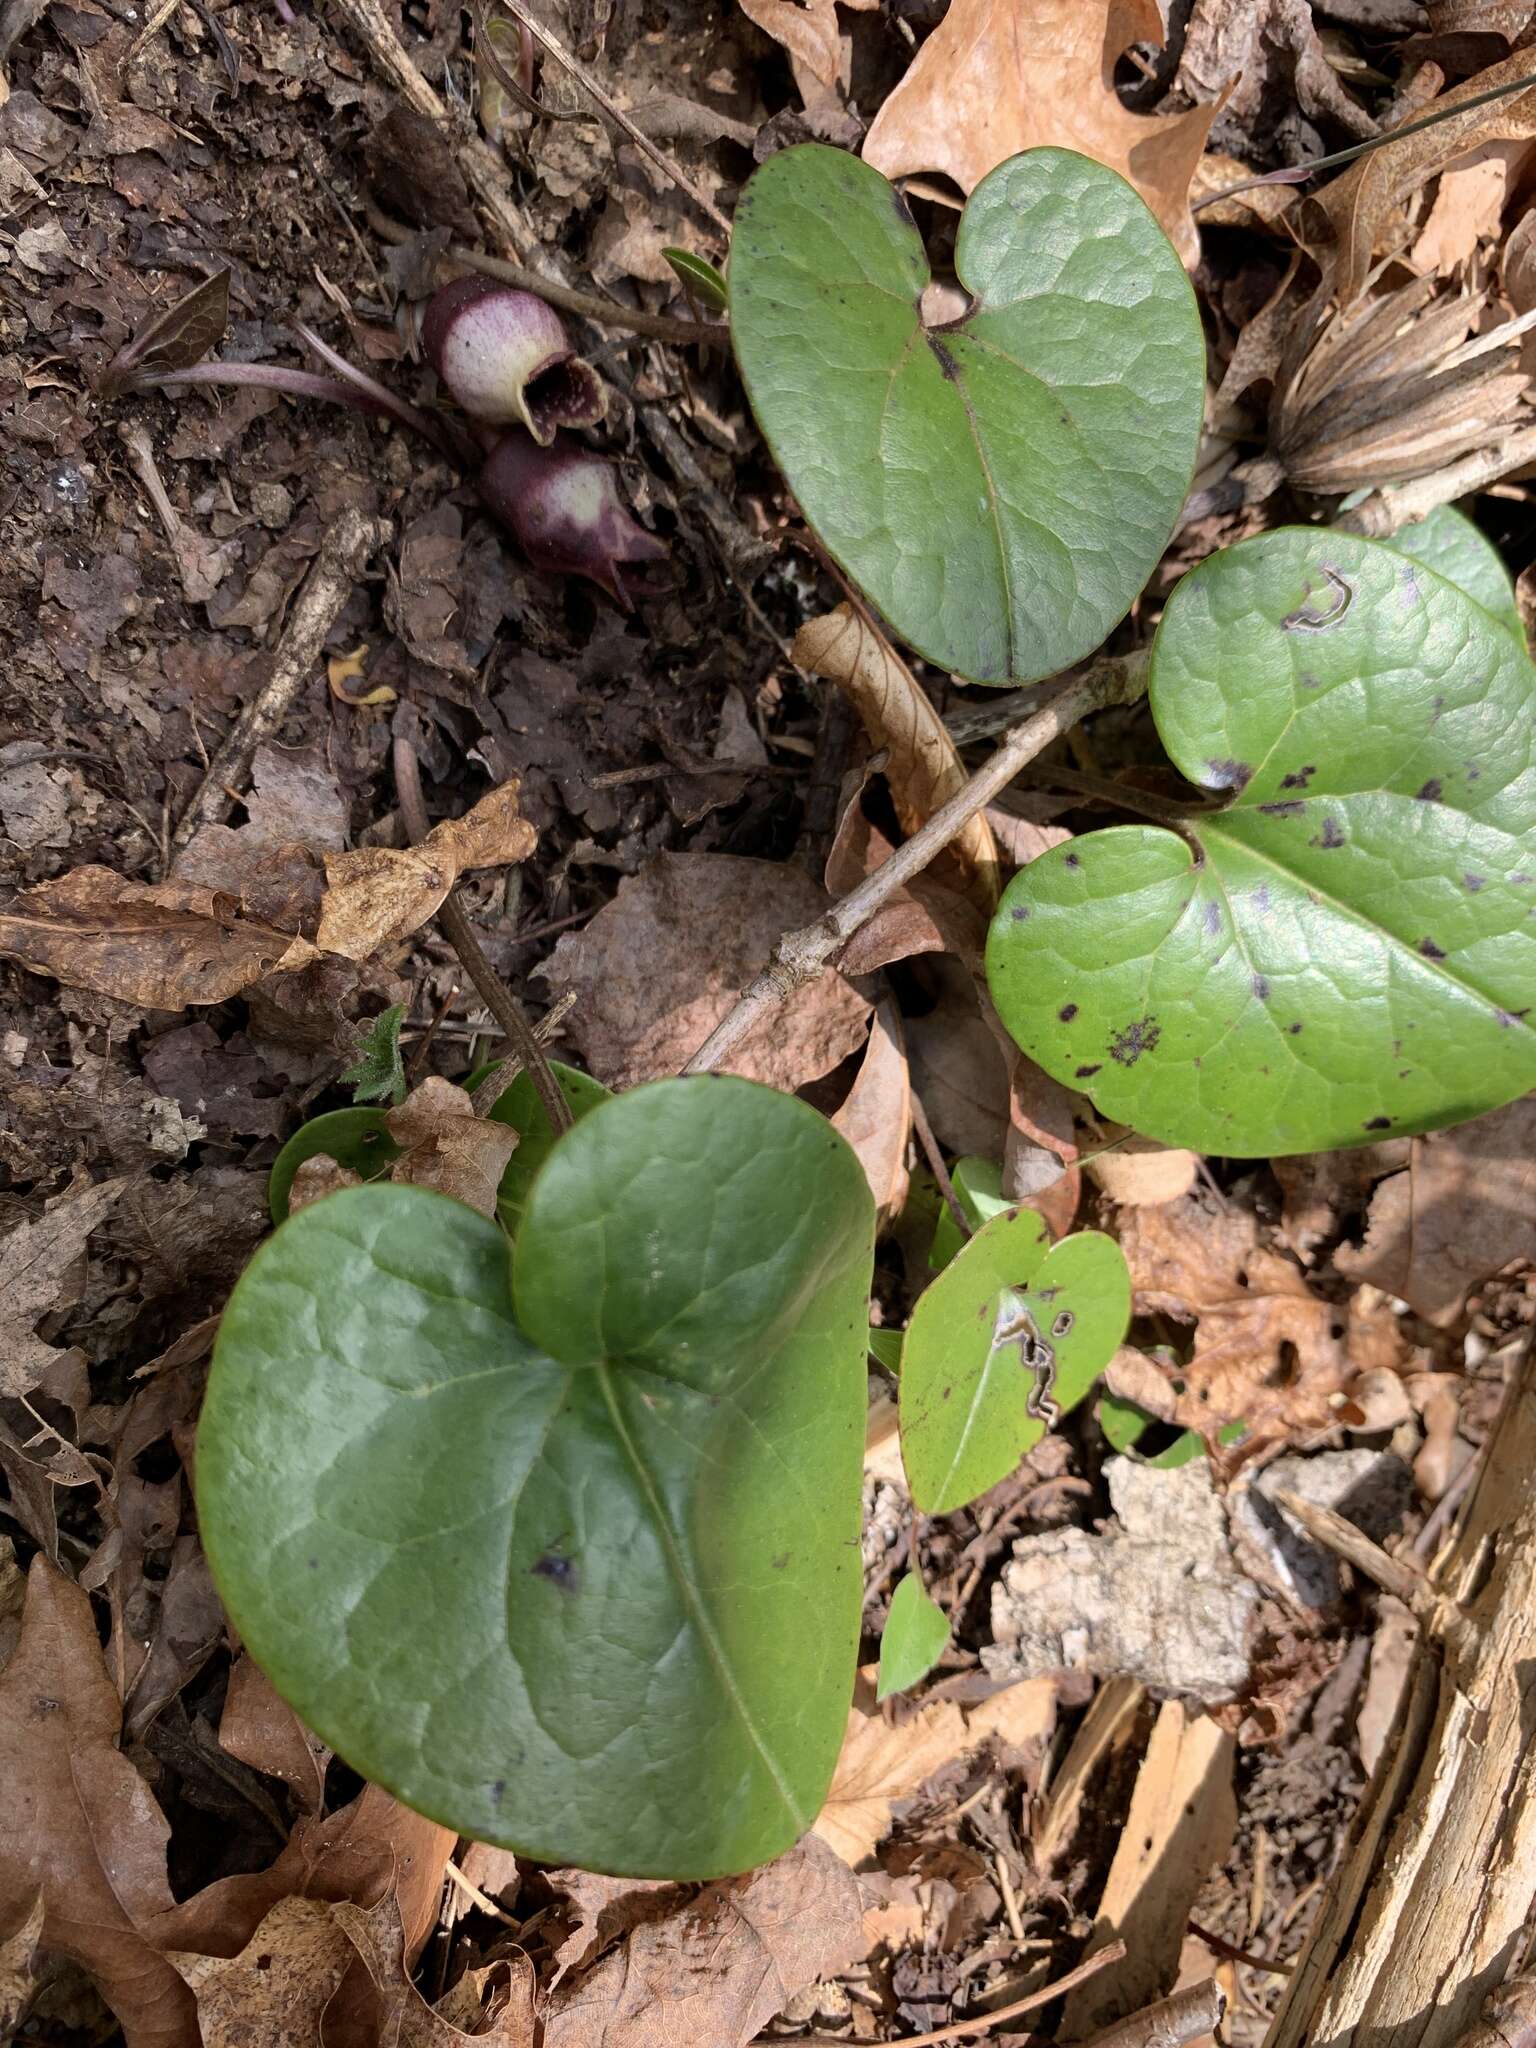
[504, 355]
[562, 507]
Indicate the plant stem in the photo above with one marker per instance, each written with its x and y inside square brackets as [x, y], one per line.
[587, 306]
[801, 956]
[362, 395]
[460, 934]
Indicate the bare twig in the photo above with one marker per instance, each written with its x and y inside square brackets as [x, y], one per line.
[1432, 1609]
[801, 956]
[936, 1166]
[983, 2022]
[505, 1072]
[1183, 2016]
[587, 306]
[460, 934]
[479, 162]
[616, 114]
[343, 556]
[1231, 1953]
[1395, 505]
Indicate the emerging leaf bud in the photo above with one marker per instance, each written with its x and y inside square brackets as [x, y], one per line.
[504, 356]
[562, 507]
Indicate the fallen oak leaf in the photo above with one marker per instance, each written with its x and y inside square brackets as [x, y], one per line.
[17, 1982]
[722, 1966]
[923, 766]
[35, 1259]
[279, 1985]
[81, 1825]
[1000, 76]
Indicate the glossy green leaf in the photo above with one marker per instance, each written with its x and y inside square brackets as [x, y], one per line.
[354, 1138]
[915, 1638]
[1000, 488]
[978, 1185]
[1447, 541]
[519, 1106]
[1012, 1328]
[566, 1557]
[1346, 950]
[699, 276]
[885, 1346]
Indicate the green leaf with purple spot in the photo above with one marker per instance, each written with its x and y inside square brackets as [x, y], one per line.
[1346, 948]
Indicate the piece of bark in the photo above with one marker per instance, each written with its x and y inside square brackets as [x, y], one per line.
[1429, 1910]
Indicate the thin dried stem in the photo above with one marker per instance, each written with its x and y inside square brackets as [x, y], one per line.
[1397, 505]
[802, 956]
[460, 934]
[587, 306]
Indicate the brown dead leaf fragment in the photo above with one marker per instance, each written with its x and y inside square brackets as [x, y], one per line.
[658, 967]
[80, 1824]
[448, 1147]
[17, 1983]
[35, 1280]
[1268, 1351]
[407, 2019]
[1000, 76]
[264, 1732]
[876, 1118]
[278, 1987]
[923, 765]
[721, 1967]
[1362, 208]
[1464, 1208]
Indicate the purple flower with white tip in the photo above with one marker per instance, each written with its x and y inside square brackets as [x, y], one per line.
[504, 355]
[562, 507]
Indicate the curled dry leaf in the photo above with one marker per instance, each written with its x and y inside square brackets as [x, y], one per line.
[996, 77]
[885, 1758]
[81, 1825]
[876, 1118]
[262, 1730]
[923, 765]
[35, 1280]
[169, 944]
[448, 1147]
[18, 1951]
[658, 967]
[723, 1965]
[1464, 1207]
[1361, 209]
[407, 2021]
[1268, 1351]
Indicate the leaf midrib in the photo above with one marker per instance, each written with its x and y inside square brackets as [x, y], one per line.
[693, 1601]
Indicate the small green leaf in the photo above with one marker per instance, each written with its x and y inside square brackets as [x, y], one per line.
[1190, 1444]
[566, 1557]
[978, 1185]
[519, 1106]
[1448, 542]
[354, 1138]
[699, 276]
[916, 1637]
[1122, 1422]
[885, 1345]
[1010, 1328]
[1346, 949]
[174, 338]
[1000, 488]
[377, 1071]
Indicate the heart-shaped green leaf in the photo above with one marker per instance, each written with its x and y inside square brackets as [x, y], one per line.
[566, 1556]
[1001, 488]
[916, 1632]
[1347, 949]
[1011, 1333]
[1447, 541]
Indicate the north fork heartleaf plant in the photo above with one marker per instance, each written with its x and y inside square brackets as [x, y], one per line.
[559, 1541]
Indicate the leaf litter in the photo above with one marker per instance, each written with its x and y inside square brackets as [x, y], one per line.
[183, 1847]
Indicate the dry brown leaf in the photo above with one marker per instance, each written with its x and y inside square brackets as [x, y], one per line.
[1138, 1172]
[1320, 1188]
[81, 1825]
[1267, 1350]
[17, 1983]
[883, 1760]
[810, 34]
[959, 1069]
[721, 1967]
[1180, 1826]
[1040, 1152]
[318, 1176]
[278, 1986]
[999, 76]
[925, 917]
[1468, 209]
[876, 1118]
[263, 1731]
[1363, 206]
[407, 2021]
[36, 1279]
[602, 1910]
[1507, 18]
[447, 1147]
[658, 967]
[923, 766]
[162, 944]
[1464, 1208]
[378, 895]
